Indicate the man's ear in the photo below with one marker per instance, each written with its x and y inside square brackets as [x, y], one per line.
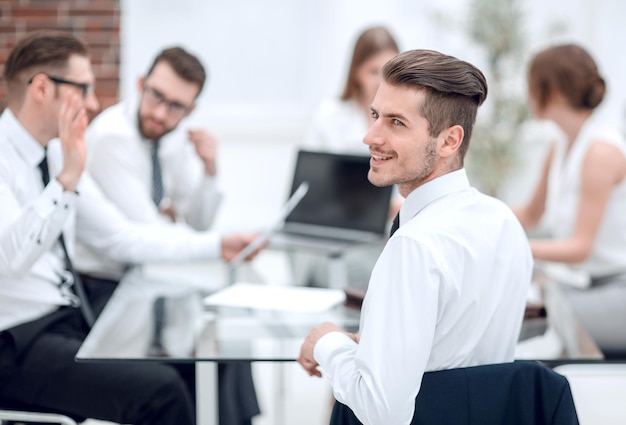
[452, 139]
[39, 87]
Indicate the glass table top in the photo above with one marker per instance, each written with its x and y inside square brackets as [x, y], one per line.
[158, 320]
[148, 319]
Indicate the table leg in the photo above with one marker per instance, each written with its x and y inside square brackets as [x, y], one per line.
[337, 272]
[207, 393]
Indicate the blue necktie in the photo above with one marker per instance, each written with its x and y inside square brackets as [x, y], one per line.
[157, 179]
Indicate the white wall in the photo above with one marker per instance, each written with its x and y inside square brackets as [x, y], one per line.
[272, 61]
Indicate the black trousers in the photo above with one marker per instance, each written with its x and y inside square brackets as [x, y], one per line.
[38, 372]
[37, 369]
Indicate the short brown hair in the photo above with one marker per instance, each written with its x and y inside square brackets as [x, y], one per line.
[185, 65]
[454, 89]
[371, 42]
[569, 70]
[41, 51]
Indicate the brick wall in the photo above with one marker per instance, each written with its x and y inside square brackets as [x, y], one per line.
[96, 22]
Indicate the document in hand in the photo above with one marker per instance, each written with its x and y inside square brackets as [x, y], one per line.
[277, 298]
[291, 203]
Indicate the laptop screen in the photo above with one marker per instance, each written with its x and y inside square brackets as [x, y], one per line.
[340, 195]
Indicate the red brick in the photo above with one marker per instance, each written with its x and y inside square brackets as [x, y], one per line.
[97, 22]
[100, 36]
[7, 40]
[108, 72]
[101, 43]
[39, 3]
[108, 13]
[35, 22]
[106, 85]
[92, 4]
[29, 12]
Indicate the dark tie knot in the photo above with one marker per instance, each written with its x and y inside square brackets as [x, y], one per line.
[395, 225]
[45, 173]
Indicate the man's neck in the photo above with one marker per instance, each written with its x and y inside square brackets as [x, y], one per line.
[33, 123]
[444, 167]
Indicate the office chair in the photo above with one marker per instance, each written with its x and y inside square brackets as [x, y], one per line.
[16, 416]
[13, 412]
[518, 393]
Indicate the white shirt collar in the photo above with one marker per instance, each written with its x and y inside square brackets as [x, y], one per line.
[431, 191]
[21, 140]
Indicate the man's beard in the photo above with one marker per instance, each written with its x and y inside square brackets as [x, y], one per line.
[426, 168]
[148, 134]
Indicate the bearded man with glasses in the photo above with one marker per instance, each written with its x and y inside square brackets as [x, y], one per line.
[124, 138]
[155, 171]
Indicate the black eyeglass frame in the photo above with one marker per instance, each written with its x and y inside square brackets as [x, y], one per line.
[176, 108]
[85, 87]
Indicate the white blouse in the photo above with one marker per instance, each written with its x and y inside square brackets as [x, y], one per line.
[608, 255]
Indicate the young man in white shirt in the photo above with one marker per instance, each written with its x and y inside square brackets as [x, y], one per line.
[49, 92]
[449, 288]
[122, 140]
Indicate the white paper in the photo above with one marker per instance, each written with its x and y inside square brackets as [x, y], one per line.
[277, 298]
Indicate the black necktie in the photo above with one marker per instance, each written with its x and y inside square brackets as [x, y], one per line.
[395, 225]
[157, 179]
[78, 288]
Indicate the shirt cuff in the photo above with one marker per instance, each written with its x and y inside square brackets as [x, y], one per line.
[327, 346]
[55, 198]
[205, 245]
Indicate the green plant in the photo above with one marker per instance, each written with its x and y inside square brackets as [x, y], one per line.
[496, 26]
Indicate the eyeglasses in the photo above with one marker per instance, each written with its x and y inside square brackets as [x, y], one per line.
[155, 98]
[85, 87]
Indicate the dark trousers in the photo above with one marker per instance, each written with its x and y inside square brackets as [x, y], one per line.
[37, 368]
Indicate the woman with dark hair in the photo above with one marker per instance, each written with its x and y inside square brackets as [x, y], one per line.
[340, 124]
[581, 196]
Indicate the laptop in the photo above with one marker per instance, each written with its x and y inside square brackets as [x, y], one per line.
[341, 208]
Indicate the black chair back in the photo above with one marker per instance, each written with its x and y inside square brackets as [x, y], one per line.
[518, 393]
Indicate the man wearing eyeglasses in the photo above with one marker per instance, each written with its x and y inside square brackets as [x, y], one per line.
[125, 138]
[124, 142]
[47, 202]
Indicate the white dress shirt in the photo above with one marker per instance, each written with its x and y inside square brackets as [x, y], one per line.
[31, 219]
[448, 291]
[120, 161]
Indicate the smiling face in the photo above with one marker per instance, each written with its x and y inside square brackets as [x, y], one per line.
[403, 151]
